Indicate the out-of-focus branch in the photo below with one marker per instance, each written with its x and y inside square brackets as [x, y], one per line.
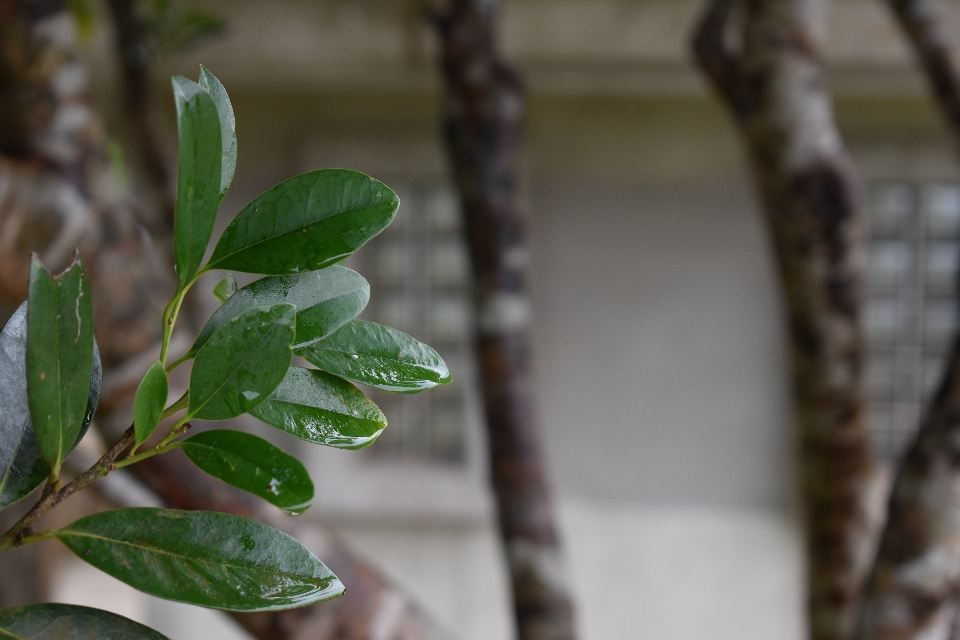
[912, 593]
[777, 91]
[130, 36]
[485, 105]
[56, 191]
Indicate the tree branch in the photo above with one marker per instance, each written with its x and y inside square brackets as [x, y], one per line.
[810, 195]
[912, 592]
[712, 53]
[485, 105]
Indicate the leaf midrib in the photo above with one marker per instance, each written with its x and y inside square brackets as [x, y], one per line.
[213, 263]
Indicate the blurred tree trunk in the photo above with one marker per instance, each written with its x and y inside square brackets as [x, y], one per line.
[56, 191]
[484, 112]
[912, 593]
[130, 36]
[776, 88]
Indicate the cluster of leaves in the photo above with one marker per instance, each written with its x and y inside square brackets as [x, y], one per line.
[50, 376]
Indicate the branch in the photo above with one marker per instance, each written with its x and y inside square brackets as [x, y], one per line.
[922, 23]
[913, 589]
[485, 105]
[712, 53]
[810, 196]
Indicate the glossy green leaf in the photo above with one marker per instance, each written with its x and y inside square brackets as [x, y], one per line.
[379, 356]
[251, 463]
[242, 362]
[228, 128]
[149, 402]
[22, 468]
[203, 558]
[306, 223]
[70, 622]
[323, 409]
[59, 357]
[325, 300]
[198, 175]
[225, 288]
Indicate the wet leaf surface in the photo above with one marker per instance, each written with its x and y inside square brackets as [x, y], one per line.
[323, 409]
[378, 356]
[254, 465]
[228, 128]
[325, 300]
[59, 357]
[203, 558]
[149, 402]
[70, 622]
[22, 468]
[242, 362]
[306, 223]
[198, 175]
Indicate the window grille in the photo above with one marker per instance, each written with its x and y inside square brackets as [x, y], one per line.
[419, 279]
[911, 303]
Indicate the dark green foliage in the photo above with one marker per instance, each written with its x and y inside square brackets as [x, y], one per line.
[323, 409]
[199, 175]
[70, 622]
[325, 300]
[50, 377]
[242, 362]
[22, 468]
[59, 357]
[379, 356]
[149, 403]
[252, 464]
[306, 223]
[202, 557]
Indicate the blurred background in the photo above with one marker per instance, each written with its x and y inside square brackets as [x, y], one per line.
[659, 345]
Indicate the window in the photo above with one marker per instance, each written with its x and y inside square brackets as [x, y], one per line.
[911, 307]
[420, 283]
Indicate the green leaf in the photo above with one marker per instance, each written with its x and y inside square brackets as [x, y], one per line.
[325, 300]
[254, 465]
[149, 402]
[70, 622]
[306, 223]
[198, 175]
[203, 558]
[228, 128]
[59, 357]
[225, 288]
[323, 409]
[22, 468]
[242, 362]
[379, 356]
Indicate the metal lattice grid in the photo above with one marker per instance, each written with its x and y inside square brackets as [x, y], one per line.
[420, 283]
[911, 303]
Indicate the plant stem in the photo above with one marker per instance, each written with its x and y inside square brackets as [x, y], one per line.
[176, 406]
[52, 496]
[170, 317]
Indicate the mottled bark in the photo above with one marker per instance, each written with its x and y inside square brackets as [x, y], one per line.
[912, 593]
[56, 192]
[777, 90]
[483, 122]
